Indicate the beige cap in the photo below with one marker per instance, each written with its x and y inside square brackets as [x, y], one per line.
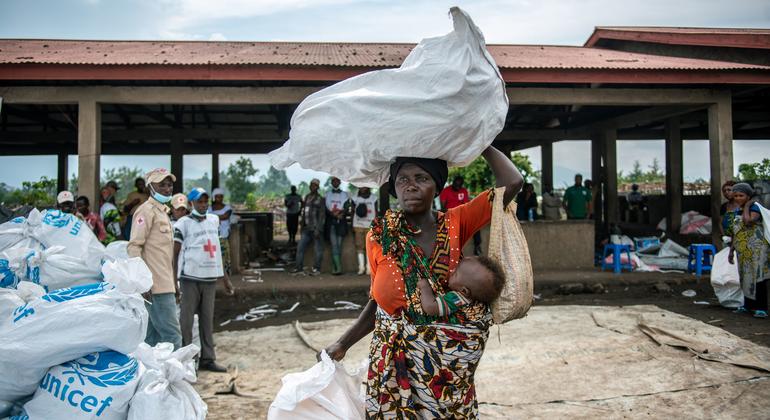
[64, 196]
[157, 175]
[179, 200]
[315, 181]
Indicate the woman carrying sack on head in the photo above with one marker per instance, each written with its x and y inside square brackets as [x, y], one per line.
[417, 369]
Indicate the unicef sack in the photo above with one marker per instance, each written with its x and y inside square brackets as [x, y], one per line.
[53, 269]
[726, 280]
[17, 230]
[166, 384]
[325, 391]
[446, 101]
[116, 250]
[96, 386]
[59, 228]
[69, 323]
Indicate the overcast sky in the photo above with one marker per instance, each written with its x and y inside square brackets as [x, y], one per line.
[558, 22]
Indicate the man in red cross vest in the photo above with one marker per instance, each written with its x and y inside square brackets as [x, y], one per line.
[196, 239]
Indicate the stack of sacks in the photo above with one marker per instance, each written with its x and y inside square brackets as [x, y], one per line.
[41, 331]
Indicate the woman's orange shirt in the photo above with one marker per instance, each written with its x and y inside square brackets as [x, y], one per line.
[387, 285]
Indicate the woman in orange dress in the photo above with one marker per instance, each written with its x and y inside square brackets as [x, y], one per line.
[422, 366]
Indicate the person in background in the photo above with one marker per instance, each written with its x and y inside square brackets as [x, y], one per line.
[179, 207]
[744, 225]
[727, 193]
[92, 219]
[590, 187]
[152, 239]
[293, 203]
[65, 202]
[551, 205]
[365, 209]
[311, 229]
[109, 214]
[223, 211]
[635, 203]
[196, 239]
[453, 196]
[577, 200]
[526, 203]
[133, 201]
[336, 200]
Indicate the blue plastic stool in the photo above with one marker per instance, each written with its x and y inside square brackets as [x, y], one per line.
[617, 250]
[701, 257]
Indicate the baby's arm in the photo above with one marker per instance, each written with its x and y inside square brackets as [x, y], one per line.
[427, 298]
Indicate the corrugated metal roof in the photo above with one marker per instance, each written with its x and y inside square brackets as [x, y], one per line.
[200, 53]
[688, 30]
[707, 37]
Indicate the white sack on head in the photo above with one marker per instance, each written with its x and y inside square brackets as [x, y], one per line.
[446, 101]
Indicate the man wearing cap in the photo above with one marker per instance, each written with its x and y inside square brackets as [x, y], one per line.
[65, 202]
[179, 207]
[196, 237]
[152, 240]
[312, 222]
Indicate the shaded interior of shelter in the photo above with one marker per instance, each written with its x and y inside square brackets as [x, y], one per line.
[178, 130]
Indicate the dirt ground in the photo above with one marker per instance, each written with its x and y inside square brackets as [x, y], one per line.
[283, 290]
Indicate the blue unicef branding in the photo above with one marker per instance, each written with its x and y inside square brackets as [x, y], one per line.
[7, 277]
[69, 293]
[56, 218]
[104, 369]
[19, 219]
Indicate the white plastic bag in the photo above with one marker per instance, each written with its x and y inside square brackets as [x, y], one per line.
[117, 250]
[446, 101]
[726, 280]
[17, 230]
[69, 323]
[165, 389]
[325, 391]
[59, 228]
[50, 268]
[96, 386]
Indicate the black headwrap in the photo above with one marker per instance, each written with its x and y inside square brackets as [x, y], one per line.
[437, 169]
[743, 187]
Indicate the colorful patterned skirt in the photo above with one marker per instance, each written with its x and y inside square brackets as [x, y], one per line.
[422, 371]
[224, 245]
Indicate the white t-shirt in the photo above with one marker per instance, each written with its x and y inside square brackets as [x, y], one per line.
[371, 211]
[201, 257]
[224, 226]
[336, 200]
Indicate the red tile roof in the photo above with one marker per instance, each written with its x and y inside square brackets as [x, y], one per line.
[369, 55]
[709, 37]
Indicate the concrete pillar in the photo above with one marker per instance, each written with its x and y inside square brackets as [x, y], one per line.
[720, 119]
[89, 149]
[610, 143]
[177, 162]
[597, 150]
[215, 170]
[384, 199]
[674, 176]
[62, 183]
[546, 156]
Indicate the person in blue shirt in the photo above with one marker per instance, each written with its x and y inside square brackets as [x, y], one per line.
[744, 225]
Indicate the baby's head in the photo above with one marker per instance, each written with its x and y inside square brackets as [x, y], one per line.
[478, 278]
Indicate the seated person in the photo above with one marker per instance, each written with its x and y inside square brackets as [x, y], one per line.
[476, 279]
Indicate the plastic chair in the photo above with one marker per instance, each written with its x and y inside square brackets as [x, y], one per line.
[700, 258]
[617, 250]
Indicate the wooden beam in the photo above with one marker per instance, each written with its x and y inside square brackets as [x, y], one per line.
[89, 149]
[721, 155]
[177, 162]
[610, 172]
[597, 150]
[609, 96]
[61, 172]
[215, 170]
[546, 157]
[178, 95]
[674, 176]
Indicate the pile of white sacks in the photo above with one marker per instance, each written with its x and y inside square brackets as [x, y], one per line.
[73, 322]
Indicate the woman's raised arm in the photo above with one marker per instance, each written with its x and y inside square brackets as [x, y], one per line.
[506, 174]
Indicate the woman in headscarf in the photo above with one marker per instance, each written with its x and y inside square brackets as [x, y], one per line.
[422, 366]
[744, 224]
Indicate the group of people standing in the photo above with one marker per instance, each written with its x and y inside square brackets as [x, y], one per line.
[183, 239]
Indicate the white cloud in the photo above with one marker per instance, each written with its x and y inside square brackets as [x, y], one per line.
[216, 36]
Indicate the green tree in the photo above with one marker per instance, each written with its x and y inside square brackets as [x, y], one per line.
[636, 174]
[125, 177]
[478, 175]
[237, 179]
[41, 193]
[202, 182]
[303, 188]
[754, 171]
[275, 183]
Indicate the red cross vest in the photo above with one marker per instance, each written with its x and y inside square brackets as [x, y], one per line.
[201, 257]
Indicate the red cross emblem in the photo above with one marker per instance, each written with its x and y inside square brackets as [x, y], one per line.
[210, 248]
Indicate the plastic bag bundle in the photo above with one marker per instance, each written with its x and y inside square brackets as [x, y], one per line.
[325, 391]
[117, 250]
[18, 232]
[59, 228]
[726, 281]
[508, 246]
[98, 385]
[165, 385]
[446, 101]
[69, 323]
[50, 268]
